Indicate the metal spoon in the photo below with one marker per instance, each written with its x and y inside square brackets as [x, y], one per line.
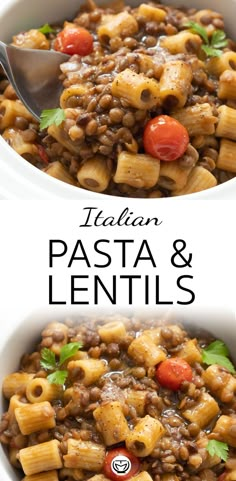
[34, 74]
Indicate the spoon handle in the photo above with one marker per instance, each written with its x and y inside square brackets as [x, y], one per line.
[3, 56]
[5, 63]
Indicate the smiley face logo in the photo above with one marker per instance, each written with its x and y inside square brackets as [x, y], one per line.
[121, 465]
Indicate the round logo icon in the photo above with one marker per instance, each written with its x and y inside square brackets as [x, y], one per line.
[121, 465]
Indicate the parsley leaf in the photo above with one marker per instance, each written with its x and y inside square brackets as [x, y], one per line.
[218, 39]
[46, 29]
[68, 351]
[218, 347]
[217, 448]
[210, 47]
[196, 28]
[48, 359]
[49, 363]
[57, 377]
[211, 52]
[217, 353]
[50, 117]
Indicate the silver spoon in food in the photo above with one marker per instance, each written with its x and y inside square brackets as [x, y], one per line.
[34, 74]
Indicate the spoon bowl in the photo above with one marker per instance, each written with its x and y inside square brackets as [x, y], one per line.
[34, 74]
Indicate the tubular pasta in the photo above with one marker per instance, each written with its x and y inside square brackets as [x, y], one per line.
[142, 440]
[137, 89]
[41, 457]
[137, 170]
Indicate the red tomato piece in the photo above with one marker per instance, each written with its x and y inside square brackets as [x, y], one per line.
[43, 154]
[165, 138]
[120, 464]
[73, 41]
[172, 372]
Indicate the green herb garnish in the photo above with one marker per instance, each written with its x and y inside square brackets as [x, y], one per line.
[217, 448]
[57, 377]
[68, 351]
[50, 117]
[49, 362]
[212, 47]
[217, 353]
[46, 29]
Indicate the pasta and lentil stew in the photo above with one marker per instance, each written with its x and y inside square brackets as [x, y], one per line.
[106, 399]
[148, 105]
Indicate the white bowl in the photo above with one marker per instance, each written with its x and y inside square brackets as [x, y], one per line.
[20, 180]
[21, 336]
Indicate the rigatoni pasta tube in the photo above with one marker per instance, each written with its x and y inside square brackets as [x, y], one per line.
[77, 90]
[90, 370]
[94, 174]
[143, 476]
[182, 42]
[137, 399]
[15, 402]
[35, 417]
[58, 133]
[199, 179]
[198, 119]
[33, 39]
[190, 352]
[230, 475]
[138, 90]
[173, 176]
[120, 25]
[151, 13]
[142, 439]
[175, 83]
[41, 457]
[111, 422]
[203, 412]
[227, 85]
[112, 332]
[144, 351]
[15, 138]
[98, 477]
[225, 430]
[227, 120]
[15, 382]
[58, 171]
[47, 476]
[146, 62]
[217, 65]
[40, 389]
[137, 170]
[84, 455]
[9, 110]
[227, 156]
[220, 382]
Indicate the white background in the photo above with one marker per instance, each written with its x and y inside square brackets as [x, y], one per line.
[207, 227]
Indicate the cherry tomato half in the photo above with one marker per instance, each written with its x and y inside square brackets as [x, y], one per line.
[172, 372]
[120, 464]
[165, 138]
[74, 41]
[43, 154]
